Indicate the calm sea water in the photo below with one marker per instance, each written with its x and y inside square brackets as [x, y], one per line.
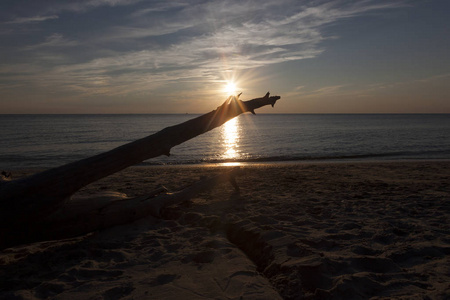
[29, 141]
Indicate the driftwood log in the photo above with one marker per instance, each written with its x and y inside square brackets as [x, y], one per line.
[82, 215]
[29, 205]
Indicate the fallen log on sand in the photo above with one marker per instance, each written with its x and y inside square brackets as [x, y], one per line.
[27, 203]
[82, 215]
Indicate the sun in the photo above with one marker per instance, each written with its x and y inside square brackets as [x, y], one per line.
[230, 88]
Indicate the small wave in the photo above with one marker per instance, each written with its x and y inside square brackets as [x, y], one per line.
[337, 157]
[365, 156]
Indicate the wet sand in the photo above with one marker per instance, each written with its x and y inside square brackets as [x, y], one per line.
[355, 230]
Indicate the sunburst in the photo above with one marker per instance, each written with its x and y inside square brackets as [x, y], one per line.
[230, 88]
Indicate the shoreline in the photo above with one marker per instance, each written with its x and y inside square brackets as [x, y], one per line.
[296, 231]
[262, 163]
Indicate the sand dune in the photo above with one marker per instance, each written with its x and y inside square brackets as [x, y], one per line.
[296, 231]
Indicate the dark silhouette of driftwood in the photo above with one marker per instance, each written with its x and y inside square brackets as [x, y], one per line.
[28, 202]
[83, 215]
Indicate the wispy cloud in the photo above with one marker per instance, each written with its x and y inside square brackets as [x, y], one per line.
[54, 40]
[34, 19]
[158, 7]
[368, 90]
[163, 42]
[325, 91]
[83, 6]
[48, 10]
[441, 78]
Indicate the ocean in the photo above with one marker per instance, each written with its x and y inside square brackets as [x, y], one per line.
[44, 141]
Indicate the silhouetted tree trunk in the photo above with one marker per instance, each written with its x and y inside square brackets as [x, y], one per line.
[28, 202]
[84, 215]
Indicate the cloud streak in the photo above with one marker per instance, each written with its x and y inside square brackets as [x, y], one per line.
[84, 6]
[34, 19]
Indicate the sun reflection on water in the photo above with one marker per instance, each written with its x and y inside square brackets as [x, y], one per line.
[230, 137]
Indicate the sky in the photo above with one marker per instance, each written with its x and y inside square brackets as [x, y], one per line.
[136, 56]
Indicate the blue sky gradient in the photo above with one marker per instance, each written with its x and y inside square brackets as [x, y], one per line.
[131, 56]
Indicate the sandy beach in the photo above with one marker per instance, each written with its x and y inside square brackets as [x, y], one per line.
[344, 230]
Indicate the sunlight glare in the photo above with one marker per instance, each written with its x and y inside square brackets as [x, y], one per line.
[230, 133]
[230, 88]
